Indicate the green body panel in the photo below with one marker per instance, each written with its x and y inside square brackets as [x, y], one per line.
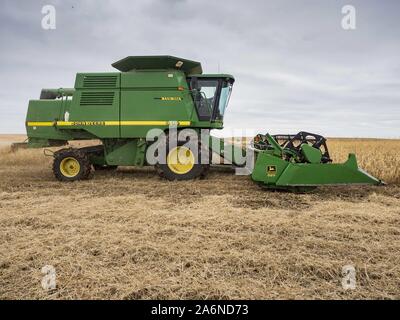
[154, 96]
[42, 143]
[96, 100]
[46, 111]
[123, 152]
[150, 80]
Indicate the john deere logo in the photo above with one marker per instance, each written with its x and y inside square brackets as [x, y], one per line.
[271, 171]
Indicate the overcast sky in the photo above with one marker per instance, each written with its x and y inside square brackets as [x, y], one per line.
[296, 68]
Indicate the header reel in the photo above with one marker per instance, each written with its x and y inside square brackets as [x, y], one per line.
[302, 147]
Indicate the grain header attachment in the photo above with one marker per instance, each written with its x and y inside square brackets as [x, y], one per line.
[302, 162]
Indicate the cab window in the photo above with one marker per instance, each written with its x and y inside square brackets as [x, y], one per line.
[205, 96]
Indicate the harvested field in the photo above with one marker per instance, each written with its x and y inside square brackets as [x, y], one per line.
[131, 235]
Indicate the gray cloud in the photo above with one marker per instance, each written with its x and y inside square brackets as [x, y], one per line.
[295, 67]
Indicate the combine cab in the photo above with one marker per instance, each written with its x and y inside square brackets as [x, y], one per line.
[167, 95]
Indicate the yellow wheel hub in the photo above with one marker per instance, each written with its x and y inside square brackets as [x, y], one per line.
[70, 167]
[180, 160]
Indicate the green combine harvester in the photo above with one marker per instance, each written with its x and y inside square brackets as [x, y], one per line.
[164, 92]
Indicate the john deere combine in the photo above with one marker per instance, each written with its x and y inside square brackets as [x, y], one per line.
[164, 92]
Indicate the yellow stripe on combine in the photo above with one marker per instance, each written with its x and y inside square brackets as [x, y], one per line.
[184, 123]
[112, 123]
[144, 123]
[105, 123]
[40, 124]
[154, 123]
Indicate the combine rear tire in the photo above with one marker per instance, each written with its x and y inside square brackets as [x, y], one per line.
[71, 165]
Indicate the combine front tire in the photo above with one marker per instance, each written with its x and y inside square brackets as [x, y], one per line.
[181, 164]
[71, 165]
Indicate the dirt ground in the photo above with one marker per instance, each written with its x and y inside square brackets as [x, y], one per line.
[131, 235]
